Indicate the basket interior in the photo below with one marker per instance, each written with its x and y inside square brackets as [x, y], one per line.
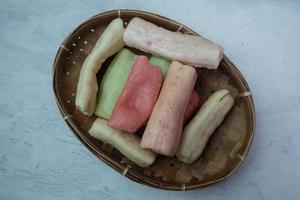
[226, 148]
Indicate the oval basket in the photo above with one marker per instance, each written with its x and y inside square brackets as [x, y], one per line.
[227, 147]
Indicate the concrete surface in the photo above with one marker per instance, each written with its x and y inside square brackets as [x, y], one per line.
[41, 159]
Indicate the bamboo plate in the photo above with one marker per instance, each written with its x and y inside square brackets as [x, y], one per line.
[227, 147]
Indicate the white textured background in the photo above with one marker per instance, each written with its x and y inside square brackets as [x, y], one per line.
[41, 159]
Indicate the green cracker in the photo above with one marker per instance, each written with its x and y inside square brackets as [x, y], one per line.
[162, 63]
[113, 82]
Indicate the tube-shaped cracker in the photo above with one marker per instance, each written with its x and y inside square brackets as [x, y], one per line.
[138, 97]
[127, 144]
[163, 131]
[192, 106]
[162, 63]
[197, 132]
[188, 49]
[108, 44]
[113, 82]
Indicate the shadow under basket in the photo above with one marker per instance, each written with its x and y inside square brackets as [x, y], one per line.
[226, 148]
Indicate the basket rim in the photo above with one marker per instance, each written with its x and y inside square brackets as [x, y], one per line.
[116, 166]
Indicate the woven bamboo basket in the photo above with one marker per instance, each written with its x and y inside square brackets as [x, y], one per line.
[227, 147]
